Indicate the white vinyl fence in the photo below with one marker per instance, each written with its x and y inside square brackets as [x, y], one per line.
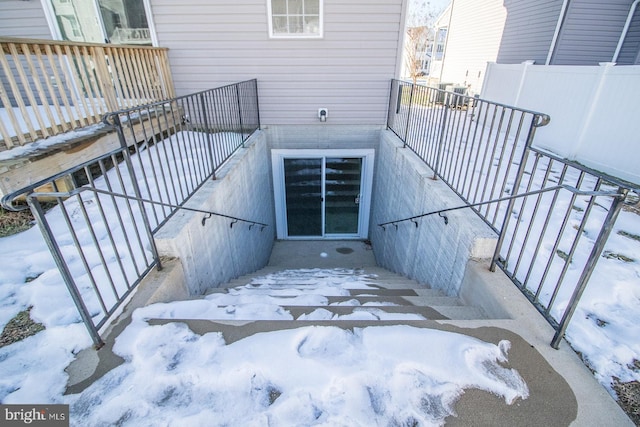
[593, 109]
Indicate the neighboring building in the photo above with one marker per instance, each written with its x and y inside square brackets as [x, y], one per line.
[571, 32]
[545, 56]
[551, 32]
[467, 36]
[417, 52]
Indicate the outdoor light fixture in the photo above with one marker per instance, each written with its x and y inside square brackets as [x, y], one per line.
[323, 113]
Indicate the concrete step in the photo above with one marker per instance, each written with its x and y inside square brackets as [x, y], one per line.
[320, 295]
[305, 312]
[236, 330]
[337, 291]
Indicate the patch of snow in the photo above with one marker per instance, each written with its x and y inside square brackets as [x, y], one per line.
[305, 376]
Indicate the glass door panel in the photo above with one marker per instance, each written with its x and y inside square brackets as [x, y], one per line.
[303, 190]
[342, 195]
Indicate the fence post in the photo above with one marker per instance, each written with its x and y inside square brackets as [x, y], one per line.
[596, 251]
[38, 213]
[136, 188]
[203, 106]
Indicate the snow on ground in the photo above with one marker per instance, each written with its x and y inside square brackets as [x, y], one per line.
[311, 375]
[306, 376]
[606, 324]
[604, 330]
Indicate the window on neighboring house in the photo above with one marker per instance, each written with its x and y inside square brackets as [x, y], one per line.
[441, 39]
[295, 18]
[99, 21]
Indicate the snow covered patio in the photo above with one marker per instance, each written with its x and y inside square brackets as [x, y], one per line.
[321, 336]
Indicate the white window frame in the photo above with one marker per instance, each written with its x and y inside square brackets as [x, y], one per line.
[297, 35]
[50, 16]
[366, 189]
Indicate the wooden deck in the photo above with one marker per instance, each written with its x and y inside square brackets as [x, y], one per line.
[51, 87]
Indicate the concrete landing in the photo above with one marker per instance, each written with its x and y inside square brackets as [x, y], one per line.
[294, 254]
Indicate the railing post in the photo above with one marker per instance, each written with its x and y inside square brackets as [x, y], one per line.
[516, 187]
[255, 88]
[406, 131]
[203, 106]
[443, 125]
[38, 213]
[136, 188]
[240, 112]
[594, 256]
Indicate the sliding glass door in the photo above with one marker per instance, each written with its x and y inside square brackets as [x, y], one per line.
[304, 196]
[322, 196]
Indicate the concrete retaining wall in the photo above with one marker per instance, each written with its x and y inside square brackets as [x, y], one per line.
[433, 253]
[216, 253]
[327, 135]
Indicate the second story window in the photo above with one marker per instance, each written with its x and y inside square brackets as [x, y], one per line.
[295, 18]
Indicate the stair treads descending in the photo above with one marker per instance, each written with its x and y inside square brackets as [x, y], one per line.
[318, 295]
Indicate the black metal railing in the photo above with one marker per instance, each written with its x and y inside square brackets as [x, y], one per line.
[552, 216]
[102, 214]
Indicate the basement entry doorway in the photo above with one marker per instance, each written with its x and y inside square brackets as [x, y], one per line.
[322, 194]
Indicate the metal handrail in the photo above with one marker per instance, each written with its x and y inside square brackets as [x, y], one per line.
[483, 150]
[105, 119]
[66, 194]
[502, 199]
[158, 137]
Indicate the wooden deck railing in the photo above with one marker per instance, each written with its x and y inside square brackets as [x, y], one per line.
[52, 87]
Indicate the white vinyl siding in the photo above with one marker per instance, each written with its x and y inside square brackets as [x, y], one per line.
[347, 71]
[528, 30]
[24, 19]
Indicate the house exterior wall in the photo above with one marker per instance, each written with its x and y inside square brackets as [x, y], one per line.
[528, 30]
[348, 70]
[630, 52]
[23, 19]
[590, 32]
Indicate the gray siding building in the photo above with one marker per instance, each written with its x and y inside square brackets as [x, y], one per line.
[346, 68]
[333, 54]
[23, 19]
[570, 32]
